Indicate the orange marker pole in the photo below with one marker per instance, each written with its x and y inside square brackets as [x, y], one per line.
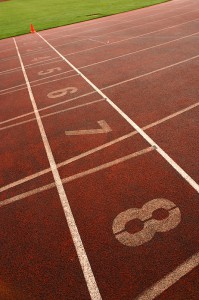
[32, 30]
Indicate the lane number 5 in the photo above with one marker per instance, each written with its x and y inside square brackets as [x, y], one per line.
[49, 71]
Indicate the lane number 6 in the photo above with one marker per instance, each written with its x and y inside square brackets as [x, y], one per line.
[62, 92]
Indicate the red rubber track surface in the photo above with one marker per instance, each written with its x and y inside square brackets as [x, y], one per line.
[99, 87]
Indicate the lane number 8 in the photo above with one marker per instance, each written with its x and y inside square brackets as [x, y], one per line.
[151, 226]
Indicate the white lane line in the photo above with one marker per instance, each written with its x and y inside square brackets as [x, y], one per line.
[29, 66]
[47, 107]
[171, 116]
[141, 50]
[77, 176]
[171, 278]
[132, 123]
[68, 161]
[130, 38]
[37, 80]
[83, 259]
[41, 51]
[52, 114]
[38, 84]
[94, 40]
[101, 147]
[152, 72]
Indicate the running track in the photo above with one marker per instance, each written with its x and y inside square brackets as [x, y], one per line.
[99, 158]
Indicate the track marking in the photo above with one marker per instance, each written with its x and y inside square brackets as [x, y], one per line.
[83, 259]
[37, 80]
[131, 122]
[38, 84]
[170, 279]
[28, 67]
[77, 176]
[138, 51]
[133, 37]
[68, 161]
[52, 114]
[94, 150]
[105, 128]
[152, 72]
[94, 40]
[47, 107]
[150, 225]
[39, 51]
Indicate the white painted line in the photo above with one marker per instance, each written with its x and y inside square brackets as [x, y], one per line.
[130, 38]
[178, 113]
[51, 114]
[141, 50]
[94, 40]
[41, 51]
[94, 150]
[15, 89]
[86, 268]
[152, 72]
[37, 80]
[28, 67]
[132, 123]
[68, 161]
[31, 65]
[170, 279]
[76, 176]
[47, 107]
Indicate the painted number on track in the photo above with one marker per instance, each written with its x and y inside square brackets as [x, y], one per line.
[39, 58]
[151, 226]
[49, 71]
[105, 128]
[62, 92]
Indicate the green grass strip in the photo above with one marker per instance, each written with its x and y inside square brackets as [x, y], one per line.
[16, 15]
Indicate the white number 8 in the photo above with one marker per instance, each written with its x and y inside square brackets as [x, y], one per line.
[151, 226]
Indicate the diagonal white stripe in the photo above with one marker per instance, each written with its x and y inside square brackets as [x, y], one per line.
[86, 268]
